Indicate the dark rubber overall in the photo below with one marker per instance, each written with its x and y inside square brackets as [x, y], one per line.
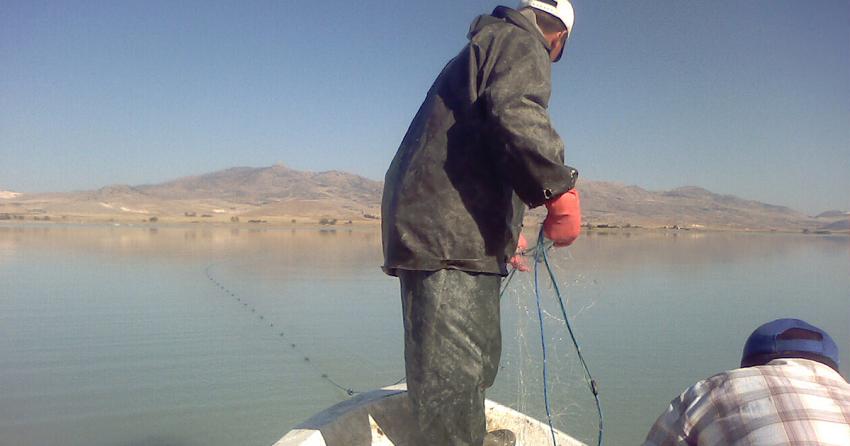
[451, 350]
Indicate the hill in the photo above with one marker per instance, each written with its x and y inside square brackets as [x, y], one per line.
[264, 184]
[839, 225]
[834, 221]
[612, 203]
[265, 194]
[833, 214]
[278, 194]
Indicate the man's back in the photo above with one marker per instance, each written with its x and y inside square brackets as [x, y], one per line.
[786, 402]
[482, 135]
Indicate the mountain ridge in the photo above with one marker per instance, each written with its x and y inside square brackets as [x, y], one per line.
[278, 193]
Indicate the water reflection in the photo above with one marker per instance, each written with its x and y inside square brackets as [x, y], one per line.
[335, 247]
[328, 248]
[127, 312]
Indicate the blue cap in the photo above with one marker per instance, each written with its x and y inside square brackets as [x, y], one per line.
[774, 340]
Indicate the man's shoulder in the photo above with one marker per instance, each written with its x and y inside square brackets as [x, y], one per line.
[727, 383]
[779, 374]
[503, 33]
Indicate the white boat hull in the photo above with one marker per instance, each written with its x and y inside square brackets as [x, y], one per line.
[382, 417]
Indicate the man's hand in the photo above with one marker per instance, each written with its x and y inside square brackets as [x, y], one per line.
[518, 261]
[563, 222]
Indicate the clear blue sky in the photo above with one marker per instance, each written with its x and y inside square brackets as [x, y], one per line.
[750, 98]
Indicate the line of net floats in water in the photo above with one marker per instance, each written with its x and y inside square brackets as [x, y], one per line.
[246, 305]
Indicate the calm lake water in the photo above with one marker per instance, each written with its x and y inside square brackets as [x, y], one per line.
[134, 336]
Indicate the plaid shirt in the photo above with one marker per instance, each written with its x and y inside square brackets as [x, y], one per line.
[786, 402]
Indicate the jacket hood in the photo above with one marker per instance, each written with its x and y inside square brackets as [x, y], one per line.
[505, 14]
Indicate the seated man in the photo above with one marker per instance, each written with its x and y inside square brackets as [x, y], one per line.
[788, 392]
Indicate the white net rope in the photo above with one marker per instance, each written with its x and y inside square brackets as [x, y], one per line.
[520, 381]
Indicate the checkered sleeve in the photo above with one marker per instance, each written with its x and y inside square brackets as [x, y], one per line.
[673, 427]
[788, 401]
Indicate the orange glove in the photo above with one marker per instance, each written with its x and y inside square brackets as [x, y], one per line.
[563, 222]
[518, 261]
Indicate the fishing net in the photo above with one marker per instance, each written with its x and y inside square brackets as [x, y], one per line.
[520, 382]
[337, 324]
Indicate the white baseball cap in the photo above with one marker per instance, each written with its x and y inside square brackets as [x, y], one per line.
[561, 9]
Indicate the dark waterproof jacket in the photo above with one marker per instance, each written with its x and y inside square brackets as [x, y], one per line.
[480, 148]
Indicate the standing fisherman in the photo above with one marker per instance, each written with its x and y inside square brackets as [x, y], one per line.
[479, 150]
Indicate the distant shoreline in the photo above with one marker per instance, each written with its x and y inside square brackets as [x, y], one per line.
[315, 224]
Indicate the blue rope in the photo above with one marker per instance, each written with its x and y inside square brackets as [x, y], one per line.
[540, 249]
[541, 253]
